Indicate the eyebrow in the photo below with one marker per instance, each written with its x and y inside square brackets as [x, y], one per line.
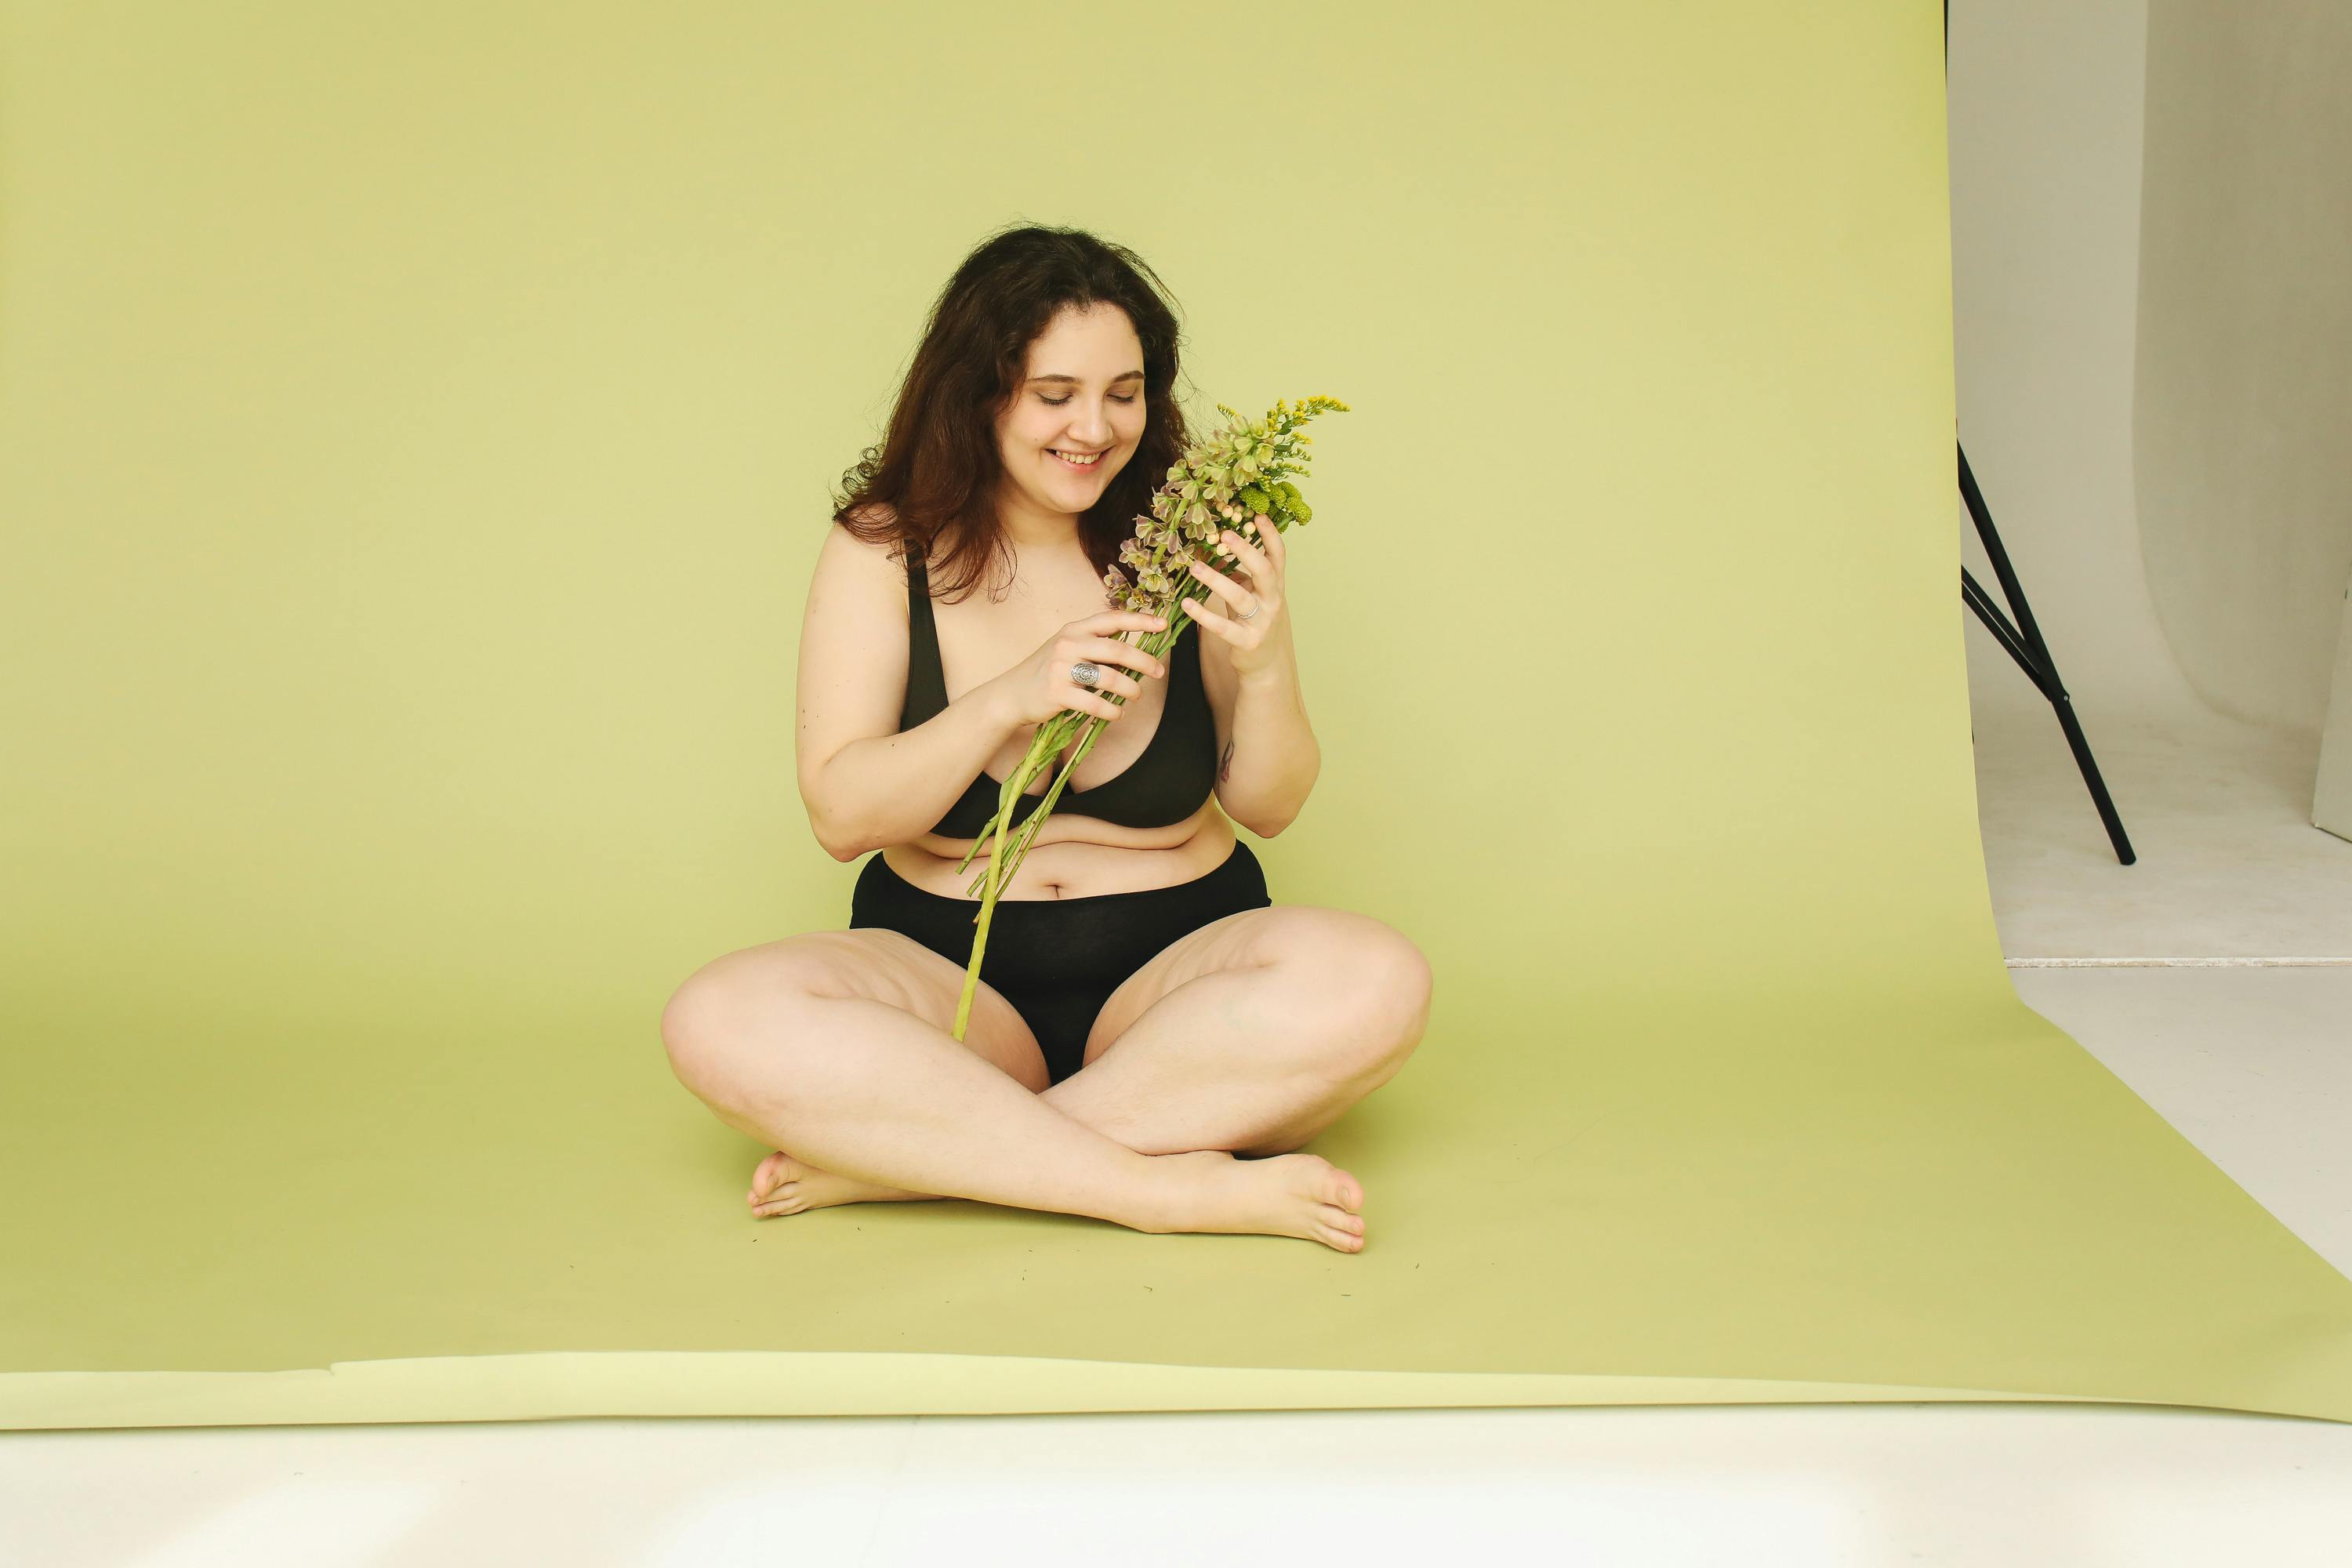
[1074, 381]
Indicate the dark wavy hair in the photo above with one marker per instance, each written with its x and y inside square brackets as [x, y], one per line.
[937, 467]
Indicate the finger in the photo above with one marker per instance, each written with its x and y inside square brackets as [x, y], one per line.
[1271, 537]
[1085, 701]
[1131, 656]
[1265, 589]
[1219, 583]
[1252, 560]
[1108, 680]
[1123, 620]
[1209, 620]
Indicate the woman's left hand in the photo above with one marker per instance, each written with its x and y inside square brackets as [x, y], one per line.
[1263, 640]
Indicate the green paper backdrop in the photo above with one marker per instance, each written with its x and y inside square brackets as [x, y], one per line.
[415, 433]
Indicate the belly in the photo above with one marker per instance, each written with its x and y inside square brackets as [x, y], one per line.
[1074, 858]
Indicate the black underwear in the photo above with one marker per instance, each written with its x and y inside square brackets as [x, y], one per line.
[1058, 959]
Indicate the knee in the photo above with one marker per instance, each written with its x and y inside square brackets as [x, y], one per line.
[726, 1012]
[1399, 973]
[1381, 982]
[695, 1023]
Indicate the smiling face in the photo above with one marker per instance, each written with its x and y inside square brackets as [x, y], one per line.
[1082, 394]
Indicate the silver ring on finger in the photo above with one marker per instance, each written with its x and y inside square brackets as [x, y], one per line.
[1247, 614]
[1084, 673]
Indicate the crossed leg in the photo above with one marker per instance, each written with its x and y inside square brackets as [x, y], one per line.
[1251, 1034]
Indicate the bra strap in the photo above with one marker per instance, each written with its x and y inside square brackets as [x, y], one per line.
[926, 673]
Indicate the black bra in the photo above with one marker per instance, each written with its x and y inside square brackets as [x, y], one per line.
[1164, 785]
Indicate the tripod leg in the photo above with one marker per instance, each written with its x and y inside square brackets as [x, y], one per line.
[2024, 644]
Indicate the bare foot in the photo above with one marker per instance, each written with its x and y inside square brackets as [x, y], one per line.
[785, 1186]
[1303, 1195]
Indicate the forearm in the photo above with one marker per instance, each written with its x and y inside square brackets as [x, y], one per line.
[887, 789]
[1271, 759]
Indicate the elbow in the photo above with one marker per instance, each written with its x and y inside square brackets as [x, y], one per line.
[1272, 827]
[839, 841]
[1261, 826]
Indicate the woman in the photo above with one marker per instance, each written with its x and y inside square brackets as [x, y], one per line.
[1145, 1010]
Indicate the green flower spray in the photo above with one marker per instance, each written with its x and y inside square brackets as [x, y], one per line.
[1225, 480]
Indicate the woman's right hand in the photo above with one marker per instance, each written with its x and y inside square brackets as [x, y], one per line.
[1040, 686]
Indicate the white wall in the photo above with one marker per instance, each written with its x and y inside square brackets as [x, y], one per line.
[2152, 325]
[2244, 460]
[2045, 134]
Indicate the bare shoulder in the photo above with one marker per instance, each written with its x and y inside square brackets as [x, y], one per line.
[846, 555]
[857, 597]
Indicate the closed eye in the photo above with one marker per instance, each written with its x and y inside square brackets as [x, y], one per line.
[1057, 401]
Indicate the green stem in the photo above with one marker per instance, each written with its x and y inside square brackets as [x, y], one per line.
[987, 907]
[1095, 723]
[1050, 738]
[1045, 804]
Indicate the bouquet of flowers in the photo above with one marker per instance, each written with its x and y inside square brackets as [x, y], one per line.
[1228, 476]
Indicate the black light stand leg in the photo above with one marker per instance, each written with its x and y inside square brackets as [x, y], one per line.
[2024, 644]
[2032, 654]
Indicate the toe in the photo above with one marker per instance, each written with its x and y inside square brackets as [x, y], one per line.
[770, 1171]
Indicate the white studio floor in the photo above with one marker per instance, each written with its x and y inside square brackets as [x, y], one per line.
[2214, 977]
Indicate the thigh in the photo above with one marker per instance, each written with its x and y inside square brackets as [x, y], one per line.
[1243, 939]
[730, 994]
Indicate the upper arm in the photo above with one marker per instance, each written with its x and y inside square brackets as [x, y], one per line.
[852, 681]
